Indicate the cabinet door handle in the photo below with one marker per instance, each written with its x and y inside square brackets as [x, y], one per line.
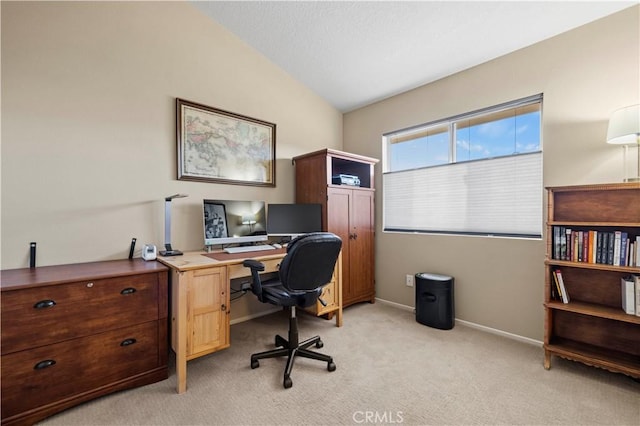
[44, 304]
[128, 290]
[128, 342]
[44, 364]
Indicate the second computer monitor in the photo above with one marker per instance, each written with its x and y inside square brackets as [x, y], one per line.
[289, 220]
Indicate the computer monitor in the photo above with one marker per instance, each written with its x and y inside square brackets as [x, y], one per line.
[289, 220]
[234, 221]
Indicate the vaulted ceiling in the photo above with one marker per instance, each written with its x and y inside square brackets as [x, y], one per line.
[354, 53]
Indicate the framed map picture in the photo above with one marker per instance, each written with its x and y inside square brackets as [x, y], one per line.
[224, 147]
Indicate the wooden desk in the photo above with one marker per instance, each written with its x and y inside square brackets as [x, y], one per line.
[200, 302]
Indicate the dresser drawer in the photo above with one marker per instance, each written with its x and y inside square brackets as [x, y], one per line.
[35, 317]
[77, 366]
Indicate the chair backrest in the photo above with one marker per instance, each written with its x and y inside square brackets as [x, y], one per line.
[310, 261]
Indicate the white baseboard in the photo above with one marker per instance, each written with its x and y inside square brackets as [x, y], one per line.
[469, 324]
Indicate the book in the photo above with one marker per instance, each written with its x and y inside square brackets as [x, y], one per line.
[628, 292]
[617, 235]
[556, 243]
[636, 282]
[599, 240]
[563, 289]
[610, 243]
[567, 243]
[558, 292]
[580, 248]
[623, 248]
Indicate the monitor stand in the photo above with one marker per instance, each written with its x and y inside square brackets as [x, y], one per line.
[170, 252]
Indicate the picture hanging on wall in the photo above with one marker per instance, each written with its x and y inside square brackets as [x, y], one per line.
[224, 147]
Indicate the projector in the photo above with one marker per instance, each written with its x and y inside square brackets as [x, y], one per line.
[341, 179]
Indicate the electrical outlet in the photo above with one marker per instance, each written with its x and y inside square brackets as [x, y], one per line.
[409, 280]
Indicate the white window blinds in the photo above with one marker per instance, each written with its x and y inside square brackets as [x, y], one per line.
[501, 196]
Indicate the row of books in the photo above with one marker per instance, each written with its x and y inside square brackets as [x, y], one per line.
[630, 286]
[616, 248]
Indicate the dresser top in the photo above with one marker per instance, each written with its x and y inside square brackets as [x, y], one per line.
[11, 279]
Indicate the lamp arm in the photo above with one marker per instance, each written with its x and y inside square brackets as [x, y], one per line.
[167, 223]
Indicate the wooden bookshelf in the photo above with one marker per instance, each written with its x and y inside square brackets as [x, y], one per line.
[592, 328]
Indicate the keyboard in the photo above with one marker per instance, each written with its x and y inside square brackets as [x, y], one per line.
[244, 249]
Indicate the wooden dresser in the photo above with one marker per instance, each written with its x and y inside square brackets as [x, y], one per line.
[71, 333]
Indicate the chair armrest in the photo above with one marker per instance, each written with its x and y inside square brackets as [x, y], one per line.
[256, 284]
[253, 265]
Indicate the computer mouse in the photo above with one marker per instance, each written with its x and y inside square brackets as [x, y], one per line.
[276, 245]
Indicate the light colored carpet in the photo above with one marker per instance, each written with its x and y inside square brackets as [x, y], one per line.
[390, 370]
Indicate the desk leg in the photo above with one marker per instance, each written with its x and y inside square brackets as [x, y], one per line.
[339, 317]
[179, 318]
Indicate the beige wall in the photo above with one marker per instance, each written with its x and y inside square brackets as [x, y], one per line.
[88, 125]
[88, 138]
[584, 74]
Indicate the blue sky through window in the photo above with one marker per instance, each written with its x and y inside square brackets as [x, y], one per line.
[516, 134]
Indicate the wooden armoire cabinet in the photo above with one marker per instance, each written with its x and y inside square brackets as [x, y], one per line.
[343, 184]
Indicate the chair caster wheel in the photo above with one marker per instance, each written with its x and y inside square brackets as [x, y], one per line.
[331, 366]
[319, 344]
[255, 363]
[287, 382]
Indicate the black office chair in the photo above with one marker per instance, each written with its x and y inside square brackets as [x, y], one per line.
[304, 271]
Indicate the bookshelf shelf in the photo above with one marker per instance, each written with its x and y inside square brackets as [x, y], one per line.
[598, 266]
[596, 224]
[592, 328]
[594, 310]
[615, 361]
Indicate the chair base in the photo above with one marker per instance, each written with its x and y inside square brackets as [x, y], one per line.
[292, 349]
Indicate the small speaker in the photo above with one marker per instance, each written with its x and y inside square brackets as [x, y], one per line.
[149, 252]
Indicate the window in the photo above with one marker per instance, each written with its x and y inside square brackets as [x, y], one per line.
[478, 173]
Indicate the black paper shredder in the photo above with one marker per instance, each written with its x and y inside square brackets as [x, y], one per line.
[434, 300]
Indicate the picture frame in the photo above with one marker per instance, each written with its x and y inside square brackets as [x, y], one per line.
[215, 221]
[219, 146]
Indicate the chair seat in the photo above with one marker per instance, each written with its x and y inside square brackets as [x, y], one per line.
[276, 294]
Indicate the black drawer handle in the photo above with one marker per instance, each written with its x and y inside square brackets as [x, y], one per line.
[44, 364]
[128, 342]
[128, 290]
[44, 304]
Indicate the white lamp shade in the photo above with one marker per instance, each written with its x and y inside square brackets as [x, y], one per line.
[624, 126]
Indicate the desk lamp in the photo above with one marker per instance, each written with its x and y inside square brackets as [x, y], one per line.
[624, 129]
[167, 226]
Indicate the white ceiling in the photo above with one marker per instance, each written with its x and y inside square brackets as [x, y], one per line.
[354, 53]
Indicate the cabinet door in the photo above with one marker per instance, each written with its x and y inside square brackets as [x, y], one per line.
[361, 246]
[350, 214]
[207, 312]
[338, 212]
